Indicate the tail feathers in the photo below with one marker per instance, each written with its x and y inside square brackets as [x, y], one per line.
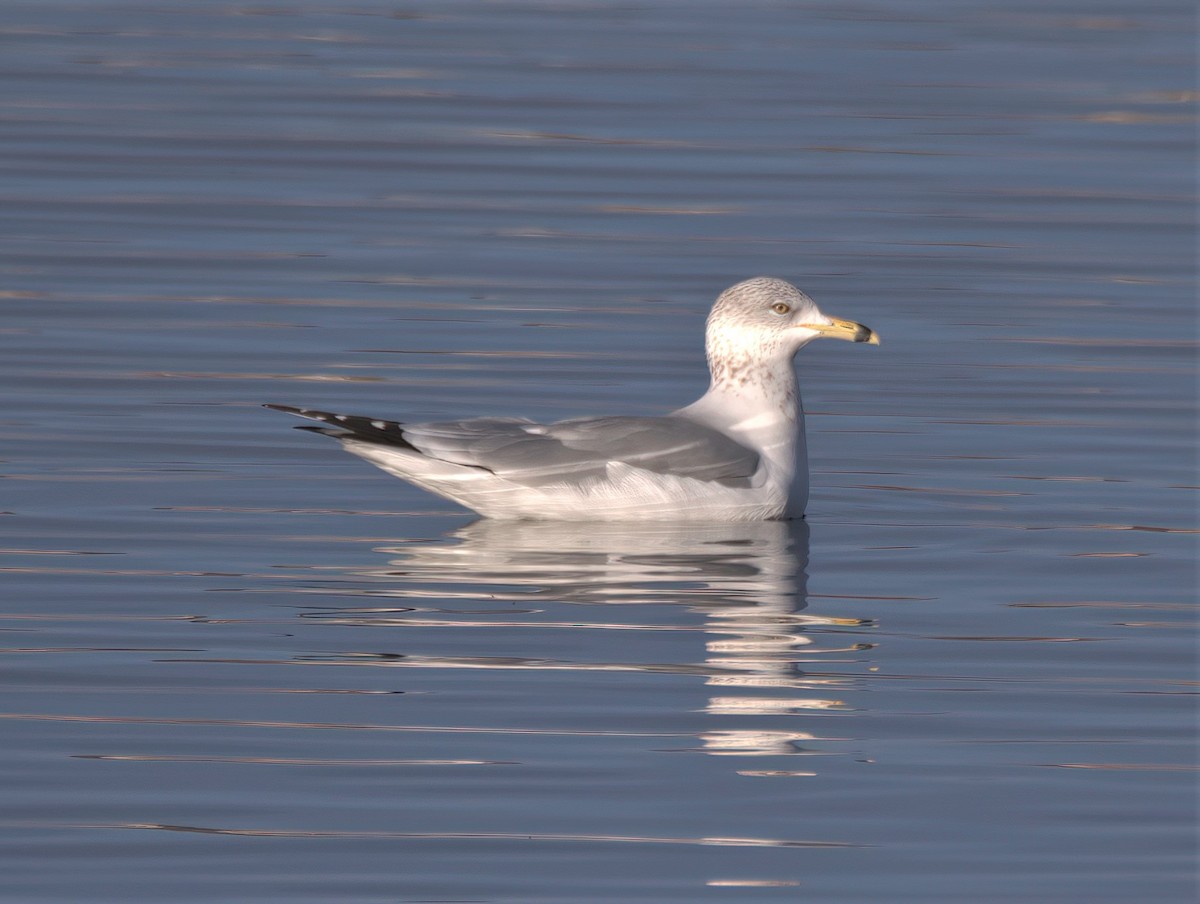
[351, 426]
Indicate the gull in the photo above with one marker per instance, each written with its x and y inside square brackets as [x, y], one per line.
[738, 453]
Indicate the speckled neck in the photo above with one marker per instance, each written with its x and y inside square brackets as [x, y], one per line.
[757, 374]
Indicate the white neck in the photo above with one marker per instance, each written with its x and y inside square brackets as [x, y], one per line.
[758, 403]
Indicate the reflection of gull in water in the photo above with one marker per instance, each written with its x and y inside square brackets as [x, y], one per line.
[701, 564]
[736, 454]
[748, 580]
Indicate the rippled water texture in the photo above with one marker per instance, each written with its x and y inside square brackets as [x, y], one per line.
[240, 665]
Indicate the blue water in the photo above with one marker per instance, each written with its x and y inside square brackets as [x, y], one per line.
[239, 665]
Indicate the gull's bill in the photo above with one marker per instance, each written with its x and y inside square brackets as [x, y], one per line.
[844, 329]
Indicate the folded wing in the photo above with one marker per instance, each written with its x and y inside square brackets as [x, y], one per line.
[570, 451]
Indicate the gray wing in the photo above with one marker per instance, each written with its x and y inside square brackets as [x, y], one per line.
[534, 455]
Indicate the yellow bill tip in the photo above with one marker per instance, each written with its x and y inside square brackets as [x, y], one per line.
[848, 330]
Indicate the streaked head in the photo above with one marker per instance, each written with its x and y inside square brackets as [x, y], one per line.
[765, 318]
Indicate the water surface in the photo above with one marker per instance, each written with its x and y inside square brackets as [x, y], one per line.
[241, 665]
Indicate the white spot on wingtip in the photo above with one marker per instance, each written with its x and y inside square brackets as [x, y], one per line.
[379, 425]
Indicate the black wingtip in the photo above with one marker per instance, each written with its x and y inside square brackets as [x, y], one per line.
[350, 426]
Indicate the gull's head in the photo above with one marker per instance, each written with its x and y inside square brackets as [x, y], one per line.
[766, 320]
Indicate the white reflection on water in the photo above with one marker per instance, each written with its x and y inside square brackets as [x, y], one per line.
[743, 586]
[701, 565]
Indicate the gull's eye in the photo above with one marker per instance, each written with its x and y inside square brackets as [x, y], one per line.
[780, 308]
